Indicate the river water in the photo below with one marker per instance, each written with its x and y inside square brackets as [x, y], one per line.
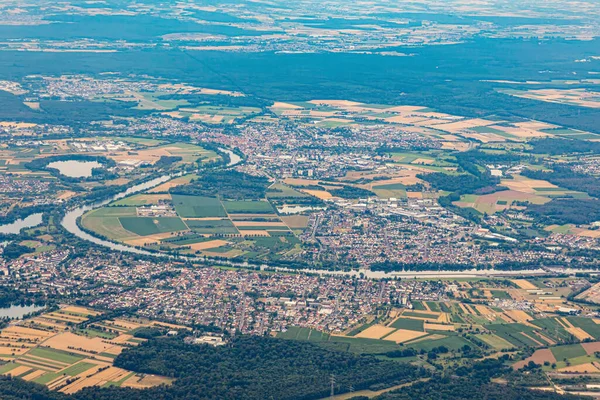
[69, 222]
[15, 227]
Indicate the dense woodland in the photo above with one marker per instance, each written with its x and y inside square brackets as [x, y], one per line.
[262, 368]
[227, 184]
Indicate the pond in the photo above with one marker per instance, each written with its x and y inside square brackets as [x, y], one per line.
[15, 228]
[18, 311]
[74, 168]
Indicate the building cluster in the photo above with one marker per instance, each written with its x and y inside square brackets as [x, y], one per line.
[37, 273]
[244, 301]
[415, 231]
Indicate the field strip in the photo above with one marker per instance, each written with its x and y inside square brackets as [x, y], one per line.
[579, 333]
[46, 360]
[37, 366]
[462, 307]
[404, 335]
[532, 339]
[21, 369]
[34, 374]
[561, 323]
[543, 337]
[567, 323]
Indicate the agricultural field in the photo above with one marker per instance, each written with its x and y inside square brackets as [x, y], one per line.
[54, 350]
[203, 225]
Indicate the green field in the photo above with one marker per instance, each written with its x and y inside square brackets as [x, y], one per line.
[198, 206]
[418, 315]
[105, 221]
[495, 341]
[451, 342]
[500, 294]
[568, 351]
[145, 226]
[78, 368]
[248, 207]
[56, 355]
[408, 323]
[217, 226]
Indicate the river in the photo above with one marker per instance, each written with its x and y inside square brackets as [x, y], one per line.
[69, 222]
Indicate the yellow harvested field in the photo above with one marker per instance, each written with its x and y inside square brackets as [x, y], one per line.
[404, 335]
[20, 331]
[438, 327]
[518, 315]
[566, 323]
[64, 340]
[580, 333]
[145, 382]
[526, 185]
[375, 332]
[121, 338]
[111, 374]
[129, 325]
[523, 283]
[320, 194]
[258, 223]
[254, 233]
[81, 310]
[211, 244]
[65, 317]
[483, 310]
[21, 369]
[115, 350]
[288, 106]
[34, 374]
[150, 239]
[7, 351]
[583, 368]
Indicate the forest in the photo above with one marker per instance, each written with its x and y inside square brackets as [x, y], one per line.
[227, 184]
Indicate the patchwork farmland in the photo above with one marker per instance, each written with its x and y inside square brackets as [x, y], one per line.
[66, 351]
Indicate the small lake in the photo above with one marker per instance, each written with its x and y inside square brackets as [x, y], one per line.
[297, 209]
[75, 168]
[20, 224]
[18, 311]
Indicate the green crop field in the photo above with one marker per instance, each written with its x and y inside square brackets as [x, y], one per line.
[418, 306]
[145, 226]
[198, 206]
[56, 355]
[418, 315]
[78, 368]
[47, 377]
[500, 294]
[451, 342]
[568, 351]
[217, 226]
[408, 323]
[495, 341]
[248, 207]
